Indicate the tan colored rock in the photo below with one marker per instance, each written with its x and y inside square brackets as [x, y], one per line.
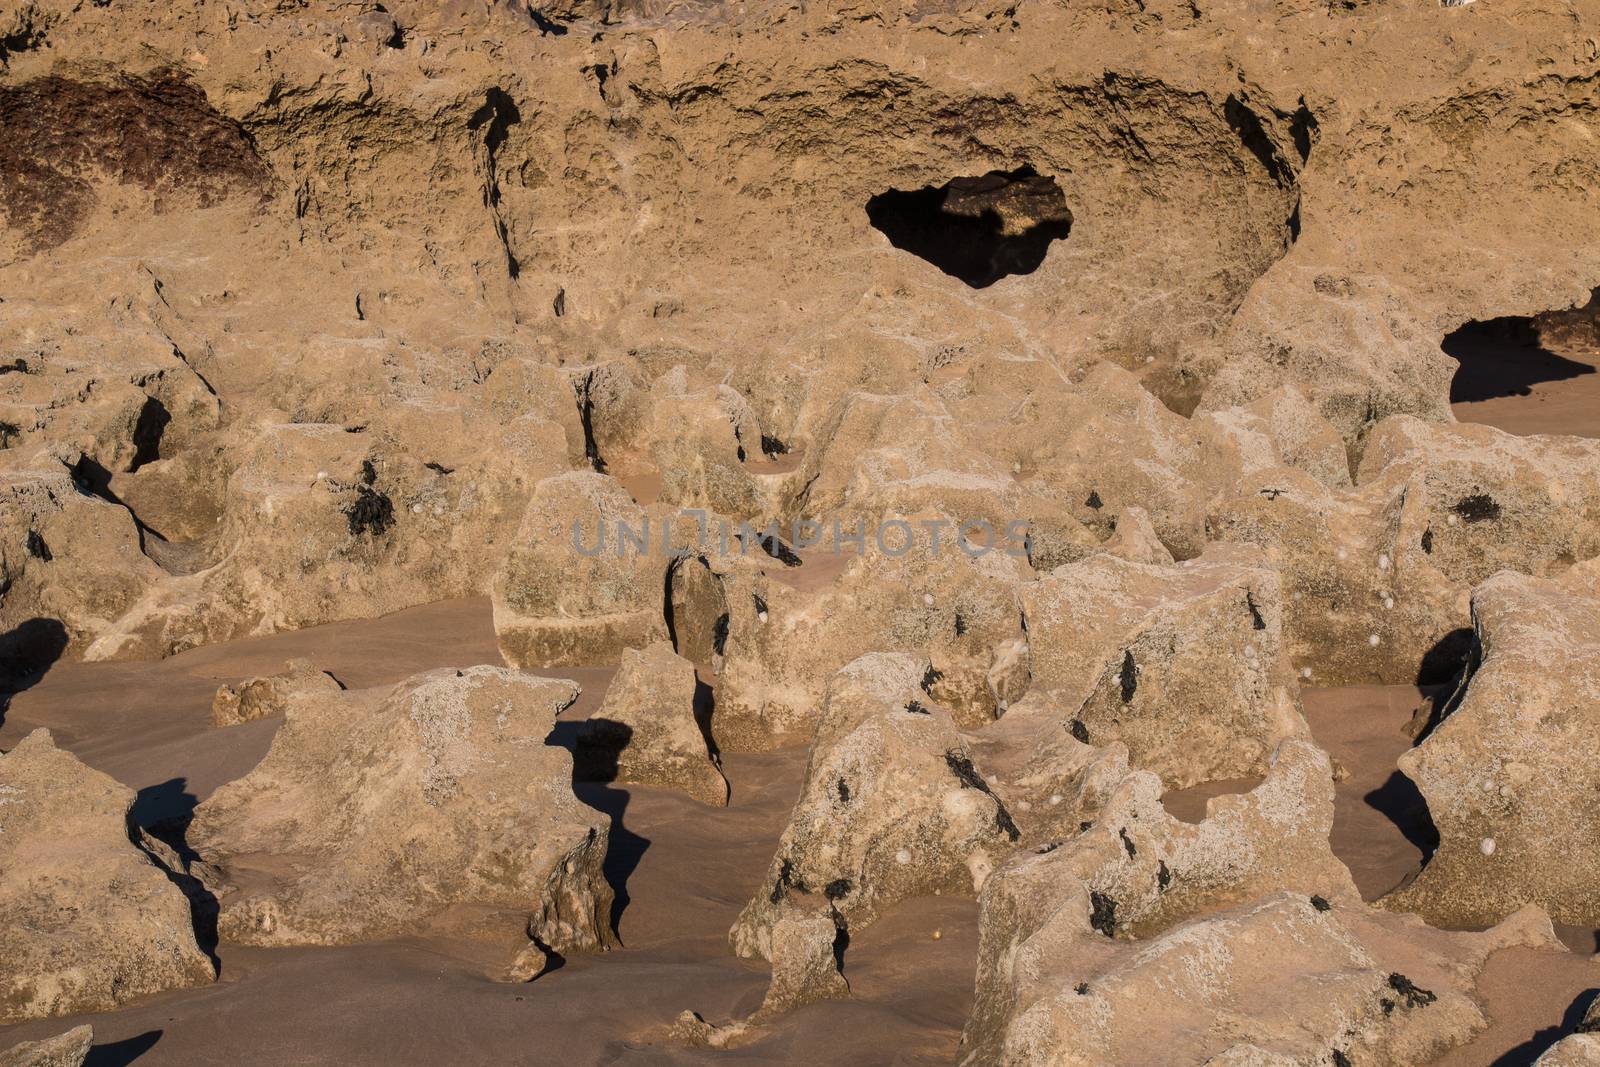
[892, 807]
[1135, 539]
[1508, 774]
[904, 594]
[646, 731]
[88, 920]
[574, 589]
[68, 1050]
[258, 698]
[383, 807]
[805, 964]
[1364, 599]
[1184, 664]
[1492, 500]
[1146, 939]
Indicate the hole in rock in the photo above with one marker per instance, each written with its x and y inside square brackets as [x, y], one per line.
[1530, 374]
[977, 229]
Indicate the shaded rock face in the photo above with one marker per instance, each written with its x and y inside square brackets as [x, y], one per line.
[1507, 775]
[64, 139]
[892, 807]
[647, 732]
[88, 918]
[375, 810]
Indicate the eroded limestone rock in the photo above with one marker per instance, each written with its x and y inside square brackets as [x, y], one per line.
[646, 731]
[68, 1050]
[88, 919]
[1184, 664]
[258, 698]
[379, 808]
[1509, 775]
[892, 806]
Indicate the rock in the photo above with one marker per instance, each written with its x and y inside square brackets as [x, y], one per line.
[646, 731]
[1507, 774]
[574, 589]
[69, 562]
[1184, 664]
[805, 963]
[1493, 500]
[68, 1050]
[1276, 973]
[383, 807]
[1365, 601]
[1244, 929]
[892, 807]
[1135, 539]
[88, 919]
[783, 646]
[258, 698]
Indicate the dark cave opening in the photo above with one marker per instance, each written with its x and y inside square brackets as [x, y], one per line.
[977, 229]
[1508, 356]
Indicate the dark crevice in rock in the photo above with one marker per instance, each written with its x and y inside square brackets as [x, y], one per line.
[977, 229]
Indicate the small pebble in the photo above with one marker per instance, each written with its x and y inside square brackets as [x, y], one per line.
[1486, 846]
[937, 934]
[927, 599]
[1373, 639]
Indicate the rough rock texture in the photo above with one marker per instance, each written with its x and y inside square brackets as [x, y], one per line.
[376, 809]
[88, 919]
[361, 218]
[1150, 940]
[257, 698]
[1184, 664]
[1508, 775]
[962, 611]
[892, 807]
[646, 731]
[68, 1050]
[805, 963]
[574, 588]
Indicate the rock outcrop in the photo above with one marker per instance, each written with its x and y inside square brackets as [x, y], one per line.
[258, 698]
[88, 919]
[376, 809]
[68, 1050]
[892, 807]
[1507, 774]
[647, 730]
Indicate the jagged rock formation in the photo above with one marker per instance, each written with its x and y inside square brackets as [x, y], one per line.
[89, 919]
[1243, 932]
[647, 730]
[1506, 774]
[892, 807]
[385, 806]
[1183, 664]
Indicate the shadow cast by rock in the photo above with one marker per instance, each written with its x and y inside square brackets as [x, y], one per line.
[121, 1053]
